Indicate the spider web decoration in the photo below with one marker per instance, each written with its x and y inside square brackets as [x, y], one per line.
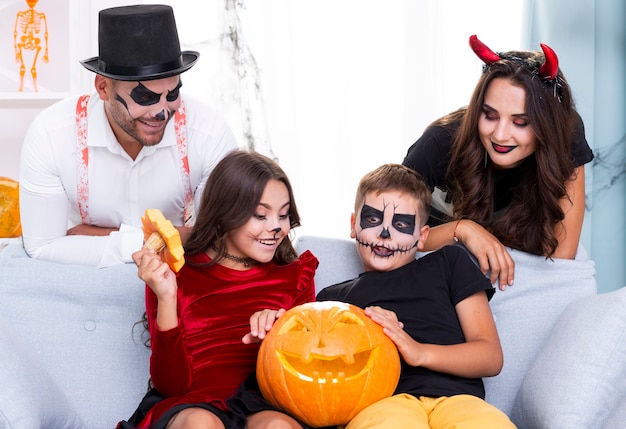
[229, 74]
[609, 167]
[253, 111]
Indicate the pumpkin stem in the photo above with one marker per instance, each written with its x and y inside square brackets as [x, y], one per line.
[155, 242]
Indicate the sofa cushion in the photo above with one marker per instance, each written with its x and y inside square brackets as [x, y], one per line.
[80, 323]
[29, 398]
[339, 259]
[619, 416]
[578, 378]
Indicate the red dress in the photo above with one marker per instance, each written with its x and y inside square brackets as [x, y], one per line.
[203, 360]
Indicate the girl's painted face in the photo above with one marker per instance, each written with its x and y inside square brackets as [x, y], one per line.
[503, 125]
[269, 225]
[387, 230]
[143, 109]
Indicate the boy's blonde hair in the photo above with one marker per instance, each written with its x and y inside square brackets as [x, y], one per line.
[396, 177]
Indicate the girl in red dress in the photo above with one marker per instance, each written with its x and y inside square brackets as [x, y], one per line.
[239, 260]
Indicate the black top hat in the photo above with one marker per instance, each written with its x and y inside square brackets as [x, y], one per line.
[139, 43]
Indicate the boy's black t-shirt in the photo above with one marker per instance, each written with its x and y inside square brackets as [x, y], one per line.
[423, 294]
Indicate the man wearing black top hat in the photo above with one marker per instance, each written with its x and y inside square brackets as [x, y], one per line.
[91, 165]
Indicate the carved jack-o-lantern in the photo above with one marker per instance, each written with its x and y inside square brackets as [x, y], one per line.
[10, 225]
[323, 362]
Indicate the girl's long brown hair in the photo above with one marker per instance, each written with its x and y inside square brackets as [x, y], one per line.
[529, 220]
[233, 191]
[232, 194]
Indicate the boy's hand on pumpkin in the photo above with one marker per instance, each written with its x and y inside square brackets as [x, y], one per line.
[385, 318]
[260, 323]
[393, 328]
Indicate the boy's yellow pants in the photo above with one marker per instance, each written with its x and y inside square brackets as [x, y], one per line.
[452, 412]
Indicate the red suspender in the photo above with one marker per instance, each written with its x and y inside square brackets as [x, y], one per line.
[82, 185]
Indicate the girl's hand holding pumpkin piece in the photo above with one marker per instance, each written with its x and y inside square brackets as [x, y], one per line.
[260, 323]
[162, 280]
[155, 273]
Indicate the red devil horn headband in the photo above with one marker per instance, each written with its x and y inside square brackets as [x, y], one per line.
[548, 70]
[550, 66]
[482, 51]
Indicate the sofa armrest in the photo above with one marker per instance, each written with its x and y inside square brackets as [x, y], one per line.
[577, 379]
[79, 322]
[526, 312]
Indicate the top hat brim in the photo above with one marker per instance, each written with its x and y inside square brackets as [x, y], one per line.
[94, 64]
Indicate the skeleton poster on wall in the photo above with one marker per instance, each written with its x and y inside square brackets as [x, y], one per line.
[34, 46]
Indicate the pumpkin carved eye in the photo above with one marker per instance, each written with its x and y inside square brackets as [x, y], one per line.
[325, 361]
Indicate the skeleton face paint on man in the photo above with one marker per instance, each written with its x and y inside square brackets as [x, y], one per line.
[143, 109]
[387, 230]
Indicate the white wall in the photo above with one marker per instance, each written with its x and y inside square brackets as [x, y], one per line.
[349, 84]
[346, 84]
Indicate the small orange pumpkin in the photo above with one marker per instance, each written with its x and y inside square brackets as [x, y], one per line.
[10, 224]
[323, 362]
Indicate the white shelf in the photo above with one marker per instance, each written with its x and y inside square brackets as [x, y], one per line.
[30, 99]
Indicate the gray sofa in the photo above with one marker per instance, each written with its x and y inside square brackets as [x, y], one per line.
[73, 356]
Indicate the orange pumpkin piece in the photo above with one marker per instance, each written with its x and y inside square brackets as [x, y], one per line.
[161, 236]
[10, 224]
[323, 362]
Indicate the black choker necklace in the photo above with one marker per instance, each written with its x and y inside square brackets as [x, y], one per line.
[247, 262]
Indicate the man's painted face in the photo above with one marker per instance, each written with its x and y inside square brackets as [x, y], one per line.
[143, 109]
[144, 97]
[387, 231]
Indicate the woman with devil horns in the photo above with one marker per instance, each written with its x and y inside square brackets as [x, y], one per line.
[508, 169]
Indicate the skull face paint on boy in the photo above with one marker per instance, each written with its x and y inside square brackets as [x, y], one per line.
[387, 230]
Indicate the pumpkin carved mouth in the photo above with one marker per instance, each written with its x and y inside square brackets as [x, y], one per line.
[330, 349]
[322, 369]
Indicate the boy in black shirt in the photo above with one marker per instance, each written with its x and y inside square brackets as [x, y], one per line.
[435, 309]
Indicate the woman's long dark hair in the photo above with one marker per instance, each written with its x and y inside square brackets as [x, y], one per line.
[528, 222]
[232, 194]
